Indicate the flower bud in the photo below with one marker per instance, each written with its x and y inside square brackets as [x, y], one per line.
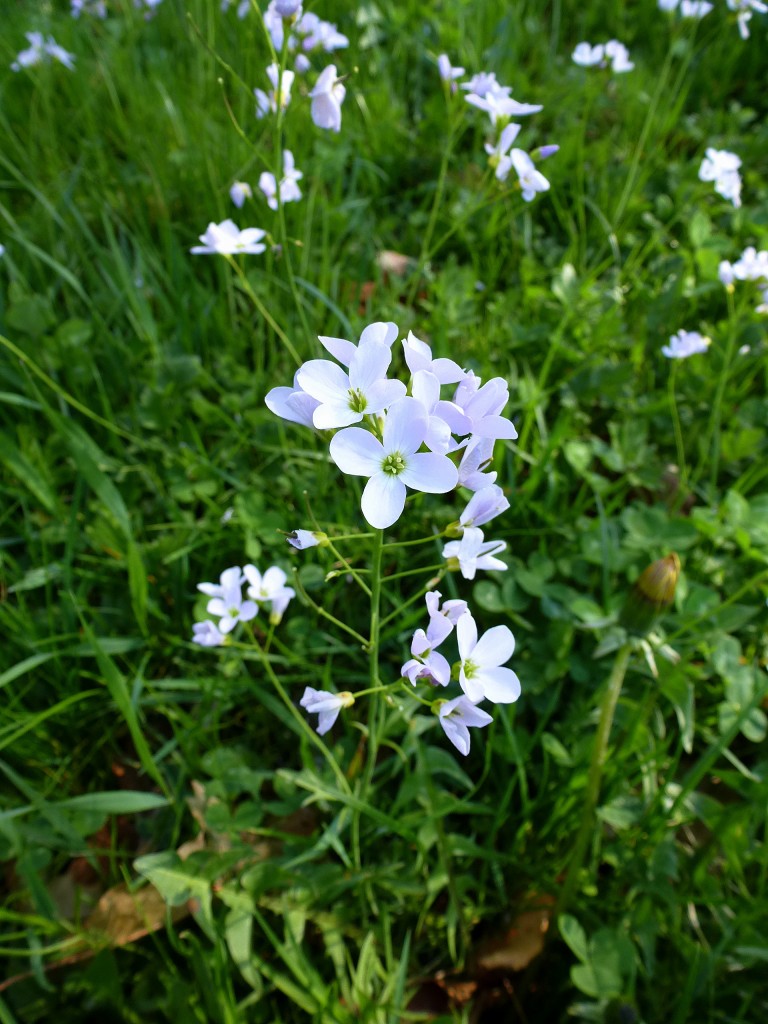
[651, 595]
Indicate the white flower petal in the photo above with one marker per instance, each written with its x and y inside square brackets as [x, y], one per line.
[405, 427]
[500, 685]
[383, 500]
[431, 473]
[356, 452]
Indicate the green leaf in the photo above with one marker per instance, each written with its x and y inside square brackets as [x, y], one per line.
[574, 936]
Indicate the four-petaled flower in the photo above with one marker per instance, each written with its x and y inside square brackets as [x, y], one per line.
[482, 675]
[227, 602]
[457, 717]
[327, 97]
[393, 463]
[326, 705]
[227, 239]
[269, 589]
[472, 552]
[347, 398]
[684, 344]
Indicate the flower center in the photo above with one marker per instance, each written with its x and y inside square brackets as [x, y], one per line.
[393, 464]
[234, 612]
[357, 400]
[470, 669]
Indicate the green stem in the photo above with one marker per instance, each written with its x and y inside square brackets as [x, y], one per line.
[678, 433]
[400, 608]
[263, 310]
[718, 409]
[305, 727]
[586, 831]
[375, 707]
[327, 615]
[427, 239]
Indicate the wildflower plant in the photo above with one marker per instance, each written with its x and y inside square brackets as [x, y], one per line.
[413, 442]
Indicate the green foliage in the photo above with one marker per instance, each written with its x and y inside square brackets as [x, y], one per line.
[137, 458]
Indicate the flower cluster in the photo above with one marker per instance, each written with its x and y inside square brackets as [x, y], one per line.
[42, 51]
[268, 591]
[684, 344]
[287, 189]
[752, 266]
[387, 448]
[744, 11]
[306, 31]
[687, 8]
[486, 93]
[602, 55]
[722, 167]
[480, 669]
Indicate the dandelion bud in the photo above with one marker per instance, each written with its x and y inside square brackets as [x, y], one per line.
[651, 595]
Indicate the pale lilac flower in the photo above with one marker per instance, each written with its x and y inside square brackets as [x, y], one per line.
[426, 664]
[207, 634]
[279, 95]
[2, 250]
[418, 356]
[302, 64]
[472, 552]
[394, 464]
[695, 8]
[501, 108]
[457, 717]
[482, 675]
[668, 5]
[531, 180]
[544, 152]
[381, 332]
[303, 539]
[588, 56]
[227, 604]
[745, 9]
[288, 8]
[722, 167]
[475, 460]
[618, 55]
[685, 344]
[752, 265]
[289, 190]
[292, 404]
[227, 239]
[451, 610]
[326, 705]
[96, 8]
[229, 579]
[240, 191]
[483, 407]
[444, 418]
[327, 97]
[725, 273]
[484, 505]
[497, 153]
[484, 83]
[347, 398]
[448, 73]
[40, 51]
[323, 36]
[269, 589]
